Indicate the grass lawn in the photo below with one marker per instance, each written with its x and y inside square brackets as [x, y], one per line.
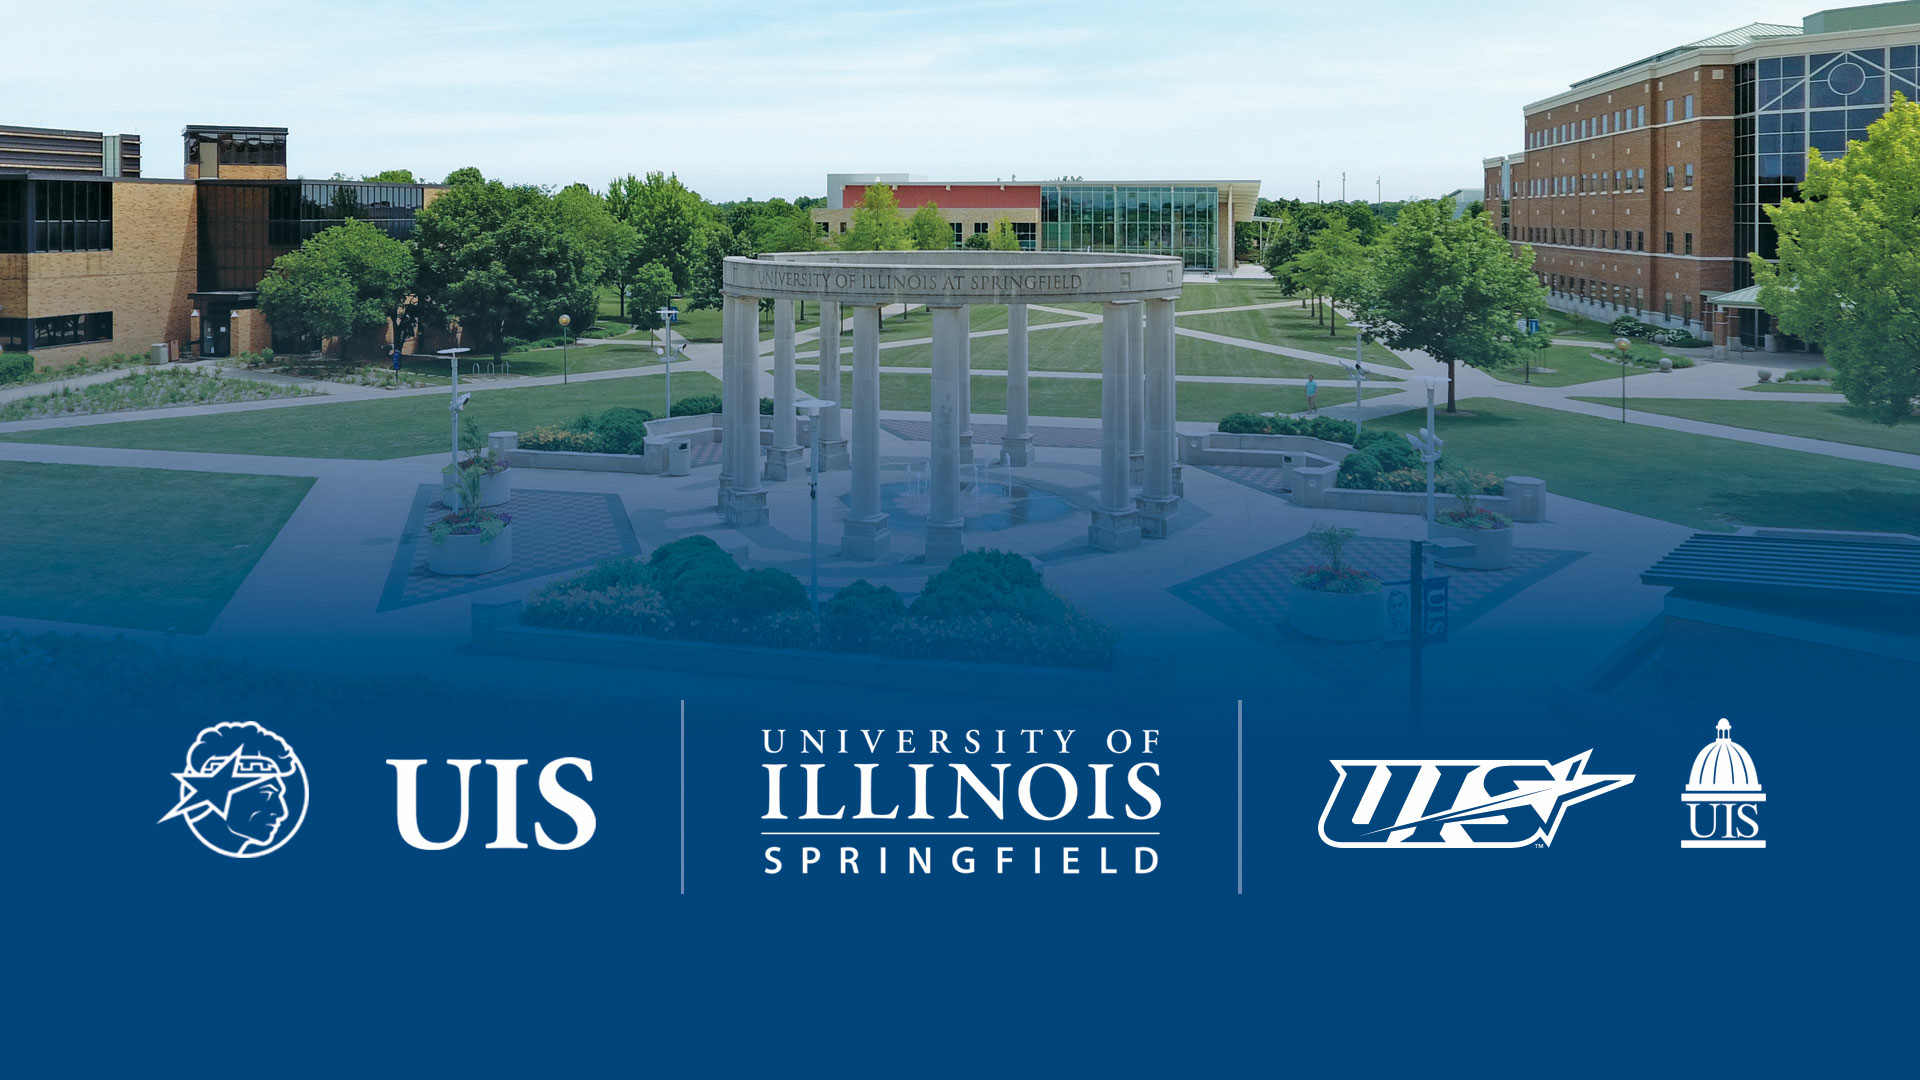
[1792, 388]
[534, 363]
[1807, 419]
[1694, 480]
[1291, 326]
[1571, 364]
[150, 549]
[1198, 296]
[1565, 324]
[1081, 397]
[378, 429]
[1077, 348]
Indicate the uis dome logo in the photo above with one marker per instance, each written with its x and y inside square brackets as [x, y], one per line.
[243, 792]
[1724, 782]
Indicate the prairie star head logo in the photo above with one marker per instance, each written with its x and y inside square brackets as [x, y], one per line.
[1486, 803]
[243, 792]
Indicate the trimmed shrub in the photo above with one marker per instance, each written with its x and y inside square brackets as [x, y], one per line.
[1078, 640]
[15, 367]
[671, 560]
[616, 609]
[1241, 423]
[546, 438]
[697, 405]
[859, 614]
[1361, 469]
[1326, 429]
[766, 406]
[1391, 449]
[622, 430]
[980, 583]
[1319, 427]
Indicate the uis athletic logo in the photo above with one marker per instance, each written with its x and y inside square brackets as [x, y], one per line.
[1456, 804]
[1724, 784]
[243, 792]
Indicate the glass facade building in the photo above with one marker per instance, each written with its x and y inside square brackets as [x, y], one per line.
[56, 215]
[246, 224]
[1786, 105]
[1143, 219]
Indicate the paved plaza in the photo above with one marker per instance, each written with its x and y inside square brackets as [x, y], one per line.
[1210, 597]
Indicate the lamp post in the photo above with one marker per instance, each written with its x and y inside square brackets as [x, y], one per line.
[812, 406]
[1429, 442]
[1359, 377]
[666, 350]
[565, 321]
[456, 402]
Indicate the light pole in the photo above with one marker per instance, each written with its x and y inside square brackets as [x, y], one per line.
[1359, 377]
[565, 321]
[812, 406]
[666, 350]
[456, 402]
[1429, 442]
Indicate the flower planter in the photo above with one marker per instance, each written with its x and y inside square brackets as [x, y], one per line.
[495, 489]
[1337, 616]
[466, 556]
[1492, 548]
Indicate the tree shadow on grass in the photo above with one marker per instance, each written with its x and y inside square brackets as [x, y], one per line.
[1849, 510]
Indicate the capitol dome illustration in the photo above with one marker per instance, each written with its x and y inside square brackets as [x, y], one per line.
[1723, 765]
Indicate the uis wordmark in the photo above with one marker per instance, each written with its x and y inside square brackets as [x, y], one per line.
[958, 783]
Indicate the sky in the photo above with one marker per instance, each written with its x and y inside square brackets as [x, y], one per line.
[747, 100]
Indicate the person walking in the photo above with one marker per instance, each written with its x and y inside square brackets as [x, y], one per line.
[1313, 396]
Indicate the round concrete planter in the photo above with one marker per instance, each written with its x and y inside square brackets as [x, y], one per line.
[1492, 548]
[465, 556]
[1337, 616]
[495, 489]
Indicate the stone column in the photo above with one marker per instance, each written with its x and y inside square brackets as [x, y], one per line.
[1017, 444]
[865, 534]
[945, 527]
[1115, 521]
[1157, 502]
[1136, 398]
[729, 438]
[748, 504]
[833, 444]
[785, 458]
[966, 387]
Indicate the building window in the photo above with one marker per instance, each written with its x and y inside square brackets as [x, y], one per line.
[1639, 241]
[1640, 180]
[979, 227]
[13, 216]
[1689, 175]
[1669, 243]
[959, 232]
[1686, 309]
[58, 330]
[1669, 178]
[13, 335]
[823, 228]
[1028, 234]
[1688, 113]
[1666, 307]
[240, 148]
[843, 226]
[1669, 110]
[1641, 117]
[72, 215]
[1689, 243]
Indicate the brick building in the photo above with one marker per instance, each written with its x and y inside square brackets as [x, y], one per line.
[1640, 189]
[97, 258]
[1193, 219]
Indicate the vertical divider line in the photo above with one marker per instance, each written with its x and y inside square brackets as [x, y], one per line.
[1240, 795]
[683, 796]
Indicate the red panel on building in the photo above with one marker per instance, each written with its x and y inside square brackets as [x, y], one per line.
[961, 197]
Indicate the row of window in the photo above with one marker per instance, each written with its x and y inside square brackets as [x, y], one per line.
[1605, 239]
[1607, 123]
[56, 215]
[1622, 180]
[54, 331]
[1619, 297]
[239, 149]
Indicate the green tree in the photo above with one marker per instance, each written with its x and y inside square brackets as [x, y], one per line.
[465, 175]
[876, 225]
[781, 226]
[716, 242]
[1450, 287]
[978, 242]
[605, 244]
[346, 279]
[1003, 238]
[1332, 266]
[667, 218]
[1849, 270]
[499, 260]
[652, 290]
[392, 176]
[928, 230]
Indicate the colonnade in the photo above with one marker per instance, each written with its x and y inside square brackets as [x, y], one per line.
[1136, 420]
